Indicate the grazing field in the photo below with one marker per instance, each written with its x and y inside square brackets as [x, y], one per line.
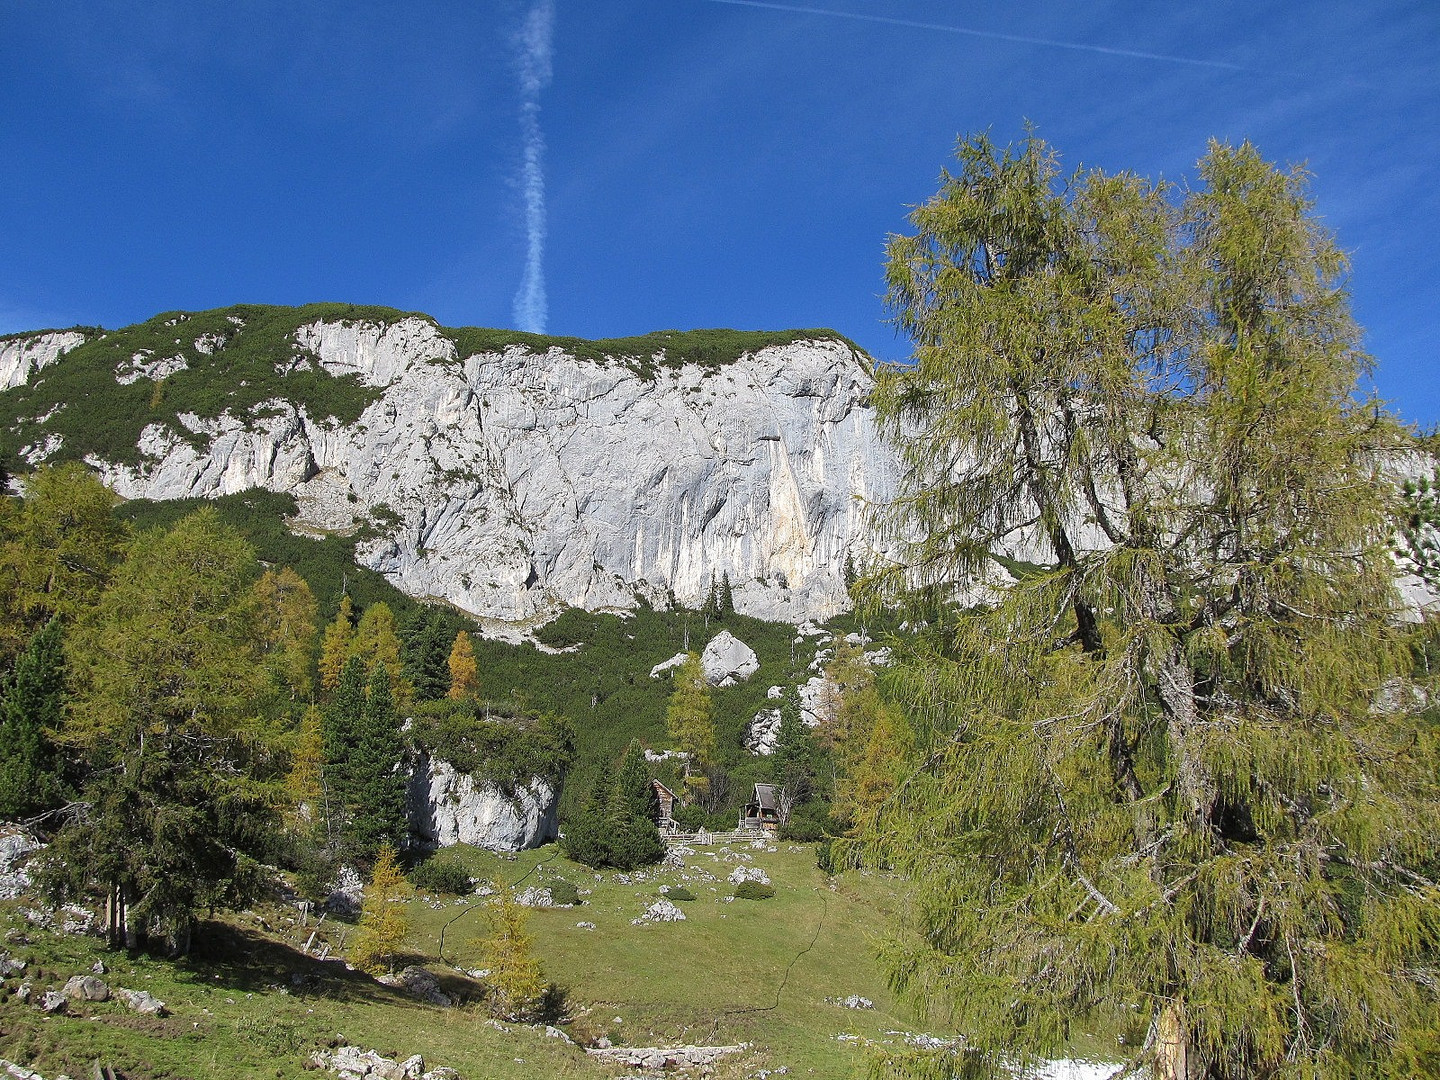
[249, 1003]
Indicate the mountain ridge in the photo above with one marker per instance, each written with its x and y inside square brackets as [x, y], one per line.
[508, 481]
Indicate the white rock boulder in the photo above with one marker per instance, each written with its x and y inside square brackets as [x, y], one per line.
[727, 660]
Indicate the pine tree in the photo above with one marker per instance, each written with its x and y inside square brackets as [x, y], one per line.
[725, 598]
[376, 776]
[1149, 789]
[31, 703]
[383, 925]
[464, 673]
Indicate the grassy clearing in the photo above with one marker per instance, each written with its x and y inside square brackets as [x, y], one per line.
[248, 1003]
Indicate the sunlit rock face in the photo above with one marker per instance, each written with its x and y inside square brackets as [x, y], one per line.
[20, 357]
[514, 484]
[448, 807]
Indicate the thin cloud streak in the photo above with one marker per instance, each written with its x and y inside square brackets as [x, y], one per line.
[991, 35]
[530, 306]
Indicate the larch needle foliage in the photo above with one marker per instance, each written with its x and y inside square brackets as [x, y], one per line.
[1151, 792]
[381, 934]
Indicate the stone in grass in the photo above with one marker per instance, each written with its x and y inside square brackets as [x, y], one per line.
[419, 983]
[855, 1001]
[86, 988]
[140, 1001]
[53, 1001]
[661, 910]
[748, 873]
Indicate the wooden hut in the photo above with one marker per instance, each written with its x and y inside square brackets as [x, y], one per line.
[667, 806]
[762, 813]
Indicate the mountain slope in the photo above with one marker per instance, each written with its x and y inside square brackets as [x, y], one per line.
[508, 474]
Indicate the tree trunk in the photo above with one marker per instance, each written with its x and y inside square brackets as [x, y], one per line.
[1172, 1045]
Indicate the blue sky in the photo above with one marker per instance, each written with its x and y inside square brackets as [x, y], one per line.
[704, 162]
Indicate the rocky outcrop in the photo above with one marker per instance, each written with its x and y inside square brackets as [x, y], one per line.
[449, 807]
[514, 483]
[20, 357]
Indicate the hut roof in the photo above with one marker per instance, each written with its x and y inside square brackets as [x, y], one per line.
[765, 797]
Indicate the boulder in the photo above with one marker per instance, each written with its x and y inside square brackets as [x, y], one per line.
[748, 873]
[140, 1001]
[347, 892]
[661, 910]
[53, 1001]
[419, 983]
[727, 660]
[449, 807]
[86, 988]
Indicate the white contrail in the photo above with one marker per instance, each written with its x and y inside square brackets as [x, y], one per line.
[991, 34]
[535, 70]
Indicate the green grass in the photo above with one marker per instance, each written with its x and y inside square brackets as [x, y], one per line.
[731, 972]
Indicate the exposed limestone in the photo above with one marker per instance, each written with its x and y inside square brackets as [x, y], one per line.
[141, 1001]
[727, 660]
[447, 807]
[16, 846]
[665, 1057]
[21, 357]
[661, 910]
[527, 482]
[352, 1063]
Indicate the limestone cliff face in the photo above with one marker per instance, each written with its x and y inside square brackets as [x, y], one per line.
[447, 807]
[513, 484]
[22, 356]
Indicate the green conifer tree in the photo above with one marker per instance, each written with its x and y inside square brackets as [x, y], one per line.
[31, 704]
[1150, 791]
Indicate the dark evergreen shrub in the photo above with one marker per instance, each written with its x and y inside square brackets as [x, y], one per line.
[564, 892]
[440, 876]
[679, 892]
[753, 890]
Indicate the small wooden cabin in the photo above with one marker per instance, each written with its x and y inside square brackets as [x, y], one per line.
[667, 806]
[762, 813]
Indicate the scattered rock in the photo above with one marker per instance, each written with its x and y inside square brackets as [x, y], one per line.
[855, 1001]
[556, 1033]
[140, 1001]
[10, 1071]
[23, 992]
[585, 925]
[537, 896]
[352, 1063]
[9, 965]
[419, 983]
[748, 873]
[660, 1057]
[98, 968]
[668, 665]
[661, 910]
[727, 660]
[53, 1001]
[86, 988]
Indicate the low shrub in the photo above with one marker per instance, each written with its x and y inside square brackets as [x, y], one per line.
[440, 876]
[753, 890]
[564, 892]
[679, 892]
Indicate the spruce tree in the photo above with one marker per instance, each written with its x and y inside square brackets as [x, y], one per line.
[793, 759]
[1149, 788]
[376, 773]
[31, 704]
[725, 598]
